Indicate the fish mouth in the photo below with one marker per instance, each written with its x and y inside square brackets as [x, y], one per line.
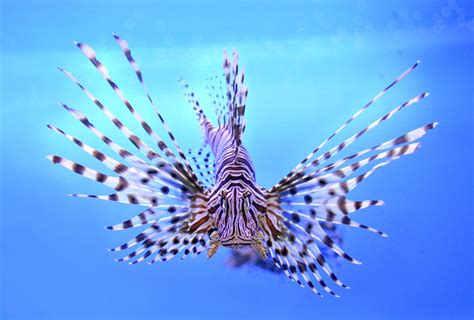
[236, 243]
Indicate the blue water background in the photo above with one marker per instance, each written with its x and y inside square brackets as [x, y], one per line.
[309, 66]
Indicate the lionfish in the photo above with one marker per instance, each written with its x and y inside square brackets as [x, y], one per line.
[204, 200]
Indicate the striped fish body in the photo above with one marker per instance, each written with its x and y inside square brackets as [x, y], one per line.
[202, 201]
[236, 202]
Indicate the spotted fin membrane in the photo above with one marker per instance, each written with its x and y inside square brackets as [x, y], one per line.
[188, 199]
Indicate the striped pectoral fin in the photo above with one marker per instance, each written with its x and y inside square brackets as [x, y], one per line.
[160, 166]
[146, 217]
[182, 243]
[127, 191]
[345, 220]
[130, 173]
[117, 183]
[149, 248]
[306, 265]
[318, 234]
[181, 166]
[122, 152]
[107, 161]
[357, 166]
[160, 248]
[307, 201]
[289, 260]
[295, 250]
[281, 260]
[305, 163]
[161, 175]
[167, 253]
[131, 191]
[127, 198]
[161, 238]
[148, 233]
[128, 54]
[405, 138]
[294, 255]
[91, 55]
[305, 174]
[195, 244]
[319, 187]
[337, 213]
[335, 150]
[169, 234]
[133, 138]
[187, 243]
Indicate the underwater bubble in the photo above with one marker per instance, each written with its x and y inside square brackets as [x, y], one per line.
[446, 12]
[470, 24]
[461, 22]
[441, 24]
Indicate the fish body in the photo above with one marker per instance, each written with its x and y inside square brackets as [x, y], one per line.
[210, 198]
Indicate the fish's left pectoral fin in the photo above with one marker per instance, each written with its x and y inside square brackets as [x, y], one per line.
[214, 244]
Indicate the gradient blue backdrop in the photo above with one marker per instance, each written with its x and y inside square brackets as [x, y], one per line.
[309, 66]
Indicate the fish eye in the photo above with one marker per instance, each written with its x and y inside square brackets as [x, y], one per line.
[224, 200]
[245, 201]
[247, 197]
